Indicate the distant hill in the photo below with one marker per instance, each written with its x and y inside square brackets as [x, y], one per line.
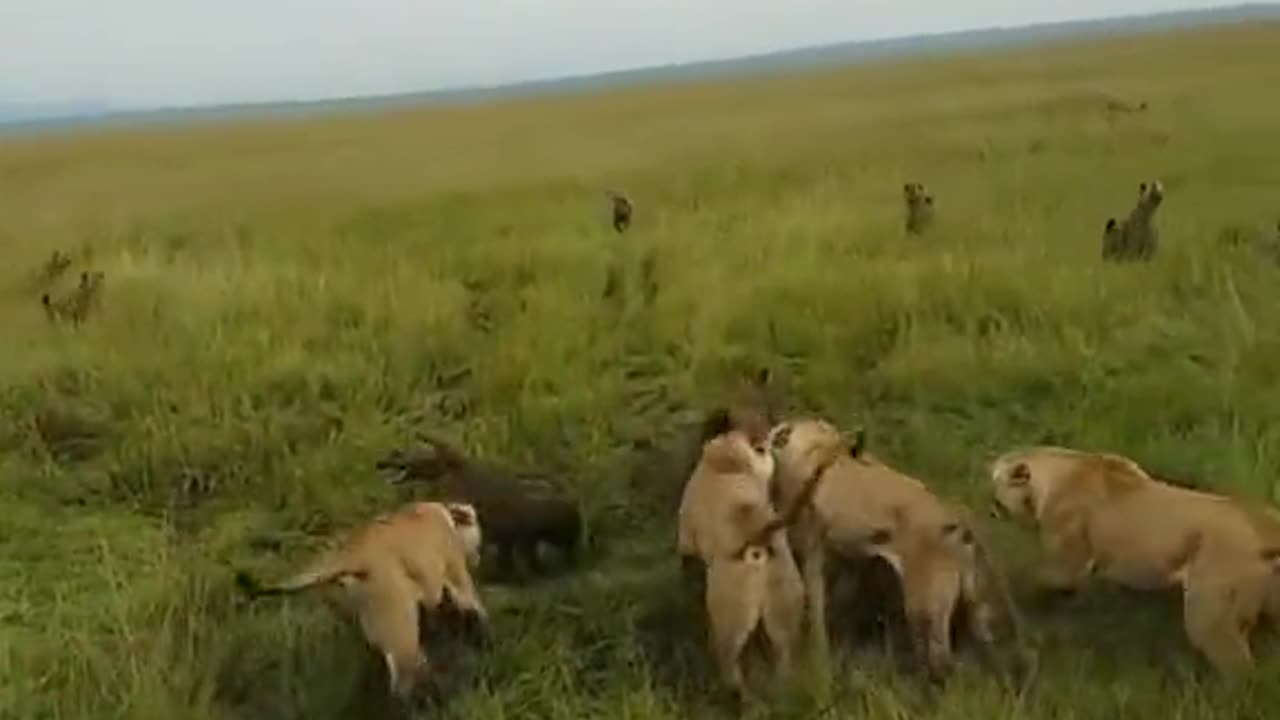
[18, 117]
[19, 112]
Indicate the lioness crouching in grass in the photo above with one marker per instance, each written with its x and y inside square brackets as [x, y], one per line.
[1102, 514]
[413, 558]
[728, 529]
[862, 508]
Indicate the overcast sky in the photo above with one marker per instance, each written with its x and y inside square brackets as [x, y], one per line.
[179, 52]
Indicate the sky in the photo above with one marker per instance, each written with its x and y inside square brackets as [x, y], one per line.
[147, 53]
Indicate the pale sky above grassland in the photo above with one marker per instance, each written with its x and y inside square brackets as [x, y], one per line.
[179, 52]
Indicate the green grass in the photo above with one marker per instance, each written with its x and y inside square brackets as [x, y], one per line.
[285, 300]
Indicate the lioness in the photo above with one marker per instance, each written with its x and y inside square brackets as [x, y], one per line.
[728, 528]
[727, 496]
[864, 508]
[1103, 514]
[401, 561]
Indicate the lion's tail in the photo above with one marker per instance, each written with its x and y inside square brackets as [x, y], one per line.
[999, 588]
[324, 570]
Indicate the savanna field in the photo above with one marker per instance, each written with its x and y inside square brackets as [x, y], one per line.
[286, 301]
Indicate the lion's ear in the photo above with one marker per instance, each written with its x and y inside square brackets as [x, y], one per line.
[1020, 475]
[958, 530]
[763, 376]
[899, 515]
[461, 514]
[720, 460]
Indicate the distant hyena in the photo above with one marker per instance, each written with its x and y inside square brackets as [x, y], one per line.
[621, 211]
[1136, 237]
[919, 207]
[75, 306]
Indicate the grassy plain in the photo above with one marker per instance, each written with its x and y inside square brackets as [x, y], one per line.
[287, 300]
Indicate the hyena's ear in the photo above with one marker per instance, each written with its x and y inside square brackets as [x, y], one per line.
[717, 422]
[1111, 224]
[857, 442]
[446, 452]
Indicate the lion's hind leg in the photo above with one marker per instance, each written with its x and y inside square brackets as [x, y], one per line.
[465, 598]
[1219, 611]
[735, 606]
[388, 610]
[784, 606]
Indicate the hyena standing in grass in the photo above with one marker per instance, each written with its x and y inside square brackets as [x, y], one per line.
[621, 211]
[919, 207]
[75, 306]
[1136, 237]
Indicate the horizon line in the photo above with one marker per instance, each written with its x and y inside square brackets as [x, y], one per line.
[106, 110]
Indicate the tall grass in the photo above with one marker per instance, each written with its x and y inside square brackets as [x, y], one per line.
[287, 300]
